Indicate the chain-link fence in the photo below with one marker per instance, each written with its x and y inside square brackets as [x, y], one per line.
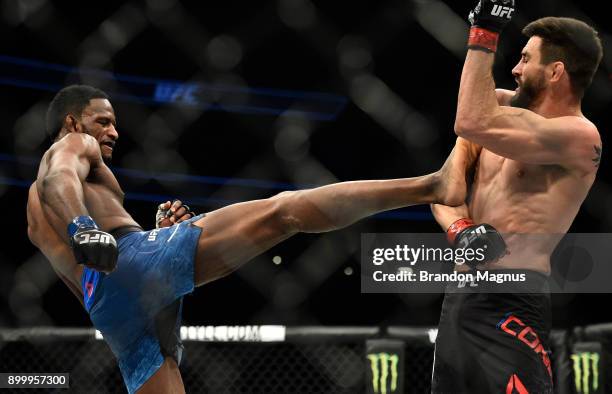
[310, 360]
[314, 361]
[300, 360]
[207, 368]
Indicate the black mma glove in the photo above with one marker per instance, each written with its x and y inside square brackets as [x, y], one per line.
[464, 234]
[95, 248]
[488, 19]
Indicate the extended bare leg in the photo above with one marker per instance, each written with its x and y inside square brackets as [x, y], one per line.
[233, 235]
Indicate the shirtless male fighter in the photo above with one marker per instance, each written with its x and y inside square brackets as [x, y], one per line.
[539, 157]
[127, 277]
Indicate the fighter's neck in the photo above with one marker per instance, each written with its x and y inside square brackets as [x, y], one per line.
[553, 106]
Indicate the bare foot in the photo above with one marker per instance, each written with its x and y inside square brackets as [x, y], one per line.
[452, 187]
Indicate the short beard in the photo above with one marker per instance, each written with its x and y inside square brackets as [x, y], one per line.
[528, 93]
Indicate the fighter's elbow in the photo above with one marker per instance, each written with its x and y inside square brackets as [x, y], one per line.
[459, 129]
[466, 127]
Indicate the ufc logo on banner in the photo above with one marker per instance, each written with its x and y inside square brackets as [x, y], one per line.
[501, 11]
[94, 238]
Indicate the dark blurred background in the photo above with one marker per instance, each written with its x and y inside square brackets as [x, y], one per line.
[288, 94]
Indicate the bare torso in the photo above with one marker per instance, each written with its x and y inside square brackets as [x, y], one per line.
[104, 201]
[531, 205]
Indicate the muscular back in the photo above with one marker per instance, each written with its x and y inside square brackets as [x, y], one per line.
[102, 197]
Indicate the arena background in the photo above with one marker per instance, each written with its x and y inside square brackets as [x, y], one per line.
[290, 94]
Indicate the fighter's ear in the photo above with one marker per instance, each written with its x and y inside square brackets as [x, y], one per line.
[72, 124]
[558, 69]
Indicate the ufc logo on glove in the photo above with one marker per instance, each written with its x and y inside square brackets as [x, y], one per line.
[501, 11]
[94, 238]
[472, 235]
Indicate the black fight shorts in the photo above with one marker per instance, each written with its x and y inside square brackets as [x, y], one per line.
[493, 342]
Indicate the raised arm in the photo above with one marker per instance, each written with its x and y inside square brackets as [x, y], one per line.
[517, 133]
[62, 173]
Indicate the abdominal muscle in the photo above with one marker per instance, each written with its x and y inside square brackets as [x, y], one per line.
[532, 206]
[530, 239]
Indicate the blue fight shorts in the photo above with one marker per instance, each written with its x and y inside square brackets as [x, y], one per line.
[154, 271]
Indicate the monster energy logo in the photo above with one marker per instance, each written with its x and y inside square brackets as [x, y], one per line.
[586, 365]
[383, 365]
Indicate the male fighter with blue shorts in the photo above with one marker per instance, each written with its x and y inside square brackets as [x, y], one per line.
[128, 277]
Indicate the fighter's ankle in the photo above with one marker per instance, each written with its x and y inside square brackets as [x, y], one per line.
[446, 190]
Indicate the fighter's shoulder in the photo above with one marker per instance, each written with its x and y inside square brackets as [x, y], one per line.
[583, 129]
[584, 148]
[590, 127]
[79, 142]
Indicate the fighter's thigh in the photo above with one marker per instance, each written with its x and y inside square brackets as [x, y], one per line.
[233, 235]
[167, 380]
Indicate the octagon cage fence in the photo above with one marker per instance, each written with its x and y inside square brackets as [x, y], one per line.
[279, 359]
